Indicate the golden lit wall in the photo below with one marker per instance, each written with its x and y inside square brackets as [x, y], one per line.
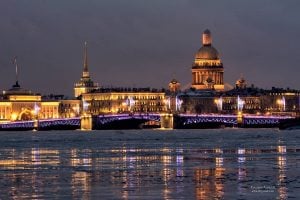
[5, 110]
[24, 98]
[118, 102]
[69, 108]
[49, 110]
[27, 107]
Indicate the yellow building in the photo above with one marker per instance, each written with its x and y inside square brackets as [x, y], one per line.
[70, 108]
[124, 100]
[85, 84]
[19, 104]
[207, 70]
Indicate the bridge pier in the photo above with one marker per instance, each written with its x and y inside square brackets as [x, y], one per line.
[167, 121]
[240, 119]
[36, 124]
[86, 122]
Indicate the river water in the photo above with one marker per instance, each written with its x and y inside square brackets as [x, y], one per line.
[150, 164]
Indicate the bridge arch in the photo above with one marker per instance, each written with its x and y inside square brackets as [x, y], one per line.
[126, 121]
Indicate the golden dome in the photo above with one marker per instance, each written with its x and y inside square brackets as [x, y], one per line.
[207, 53]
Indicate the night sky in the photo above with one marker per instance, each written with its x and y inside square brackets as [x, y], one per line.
[140, 43]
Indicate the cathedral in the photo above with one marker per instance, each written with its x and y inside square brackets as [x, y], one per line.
[207, 69]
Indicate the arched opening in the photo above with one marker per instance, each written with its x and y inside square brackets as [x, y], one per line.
[26, 115]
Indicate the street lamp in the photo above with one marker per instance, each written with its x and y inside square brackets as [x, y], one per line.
[36, 111]
[240, 105]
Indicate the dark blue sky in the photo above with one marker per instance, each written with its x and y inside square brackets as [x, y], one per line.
[146, 43]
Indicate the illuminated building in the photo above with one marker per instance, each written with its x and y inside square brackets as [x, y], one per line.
[118, 100]
[20, 104]
[70, 108]
[207, 70]
[85, 84]
[276, 101]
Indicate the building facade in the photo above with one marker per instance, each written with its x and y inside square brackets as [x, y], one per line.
[70, 108]
[248, 100]
[124, 100]
[20, 104]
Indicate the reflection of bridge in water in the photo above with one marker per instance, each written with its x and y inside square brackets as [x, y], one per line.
[123, 121]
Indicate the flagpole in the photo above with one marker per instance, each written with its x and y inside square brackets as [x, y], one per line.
[16, 70]
[17, 73]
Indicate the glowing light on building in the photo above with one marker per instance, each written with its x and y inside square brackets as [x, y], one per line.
[219, 103]
[178, 103]
[240, 103]
[168, 102]
[85, 106]
[130, 102]
[281, 102]
[36, 109]
[14, 116]
[76, 109]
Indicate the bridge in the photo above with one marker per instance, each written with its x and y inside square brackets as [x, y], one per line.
[45, 124]
[123, 121]
[255, 121]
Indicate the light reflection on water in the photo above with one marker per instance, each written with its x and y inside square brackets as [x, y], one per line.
[202, 164]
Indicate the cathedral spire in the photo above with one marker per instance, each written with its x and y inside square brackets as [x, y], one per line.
[85, 73]
[85, 84]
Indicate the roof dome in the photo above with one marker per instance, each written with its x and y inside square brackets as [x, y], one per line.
[174, 81]
[240, 81]
[208, 53]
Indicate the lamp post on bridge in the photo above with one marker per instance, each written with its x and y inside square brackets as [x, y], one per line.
[281, 104]
[240, 105]
[178, 104]
[219, 103]
[130, 102]
[86, 120]
[36, 111]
